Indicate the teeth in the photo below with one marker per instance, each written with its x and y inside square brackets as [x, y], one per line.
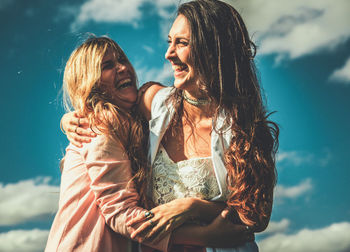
[124, 81]
[128, 84]
[179, 68]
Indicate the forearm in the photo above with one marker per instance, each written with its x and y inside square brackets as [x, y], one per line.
[167, 217]
[110, 173]
[261, 221]
[221, 232]
[189, 234]
[261, 225]
[213, 235]
[120, 207]
[204, 210]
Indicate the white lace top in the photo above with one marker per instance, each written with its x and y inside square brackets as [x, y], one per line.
[188, 178]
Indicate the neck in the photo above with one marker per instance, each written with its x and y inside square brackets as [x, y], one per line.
[202, 109]
[195, 102]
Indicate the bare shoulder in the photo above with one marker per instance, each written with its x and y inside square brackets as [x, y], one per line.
[150, 90]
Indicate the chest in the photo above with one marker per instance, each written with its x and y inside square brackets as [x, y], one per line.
[188, 141]
[188, 178]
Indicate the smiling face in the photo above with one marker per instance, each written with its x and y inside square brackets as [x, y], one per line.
[118, 79]
[178, 54]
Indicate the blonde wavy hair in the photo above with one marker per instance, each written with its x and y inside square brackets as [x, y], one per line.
[82, 92]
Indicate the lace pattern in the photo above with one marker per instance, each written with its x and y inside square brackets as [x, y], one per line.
[188, 178]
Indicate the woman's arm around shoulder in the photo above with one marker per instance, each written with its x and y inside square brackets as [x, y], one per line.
[147, 93]
[110, 173]
[76, 128]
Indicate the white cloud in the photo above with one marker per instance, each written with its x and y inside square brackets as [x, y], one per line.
[292, 192]
[164, 7]
[119, 11]
[277, 227]
[294, 157]
[296, 28]
[113, 11]
[65, 12]
[148, 49]
[342, 74]
[298, 158]
[23, 240]
[27, 200]
[333, 238]
[162, 75]
[287, 28]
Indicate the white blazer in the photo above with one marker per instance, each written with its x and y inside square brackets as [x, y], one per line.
[161, 114]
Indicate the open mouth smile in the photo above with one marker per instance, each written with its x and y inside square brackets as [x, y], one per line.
[180, 67]
[125, 83]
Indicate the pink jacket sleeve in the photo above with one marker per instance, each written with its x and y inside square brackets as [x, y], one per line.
[109, 170]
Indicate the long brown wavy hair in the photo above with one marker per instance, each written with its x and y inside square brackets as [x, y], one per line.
[82, 92]
[222, 55]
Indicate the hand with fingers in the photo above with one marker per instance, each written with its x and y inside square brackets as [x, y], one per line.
[76, 127]
[162, 220]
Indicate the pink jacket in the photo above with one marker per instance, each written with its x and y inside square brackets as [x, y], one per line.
[94, 201]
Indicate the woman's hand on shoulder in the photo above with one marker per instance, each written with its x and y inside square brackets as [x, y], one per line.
[76, 128]
[146, 94]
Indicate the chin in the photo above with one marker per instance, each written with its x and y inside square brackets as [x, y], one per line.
[185, 85]
[127, 105]
[180, 84]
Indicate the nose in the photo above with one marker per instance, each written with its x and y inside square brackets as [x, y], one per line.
[170, 53]
[121, 67]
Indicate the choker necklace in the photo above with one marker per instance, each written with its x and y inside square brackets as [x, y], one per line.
[195, 102]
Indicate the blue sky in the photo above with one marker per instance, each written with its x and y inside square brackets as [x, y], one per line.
[304, 66]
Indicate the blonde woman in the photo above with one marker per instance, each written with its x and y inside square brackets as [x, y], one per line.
[101, 181]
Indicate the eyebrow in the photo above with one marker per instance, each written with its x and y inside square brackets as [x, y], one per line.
[179, 37]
